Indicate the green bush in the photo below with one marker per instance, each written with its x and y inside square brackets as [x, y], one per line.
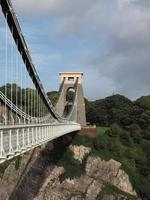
[125, 138]
[73, 168]
[146, 146]
[17, 162]
[100, 142]
[146, 134]
[2, 169]
[115, 130]
[83, 140]
[135, 132]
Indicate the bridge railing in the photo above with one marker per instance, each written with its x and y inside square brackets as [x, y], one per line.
[15, 140]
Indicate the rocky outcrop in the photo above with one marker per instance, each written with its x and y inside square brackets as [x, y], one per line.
[13, 183]
[109, 172]
[79, 151]
[98, 173]
[51, 179]
[94, 189]
[11, 176]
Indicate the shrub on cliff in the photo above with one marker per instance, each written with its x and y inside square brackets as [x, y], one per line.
[73, 168]
[130, 147]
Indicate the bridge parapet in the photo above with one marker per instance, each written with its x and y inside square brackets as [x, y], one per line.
[16, 140]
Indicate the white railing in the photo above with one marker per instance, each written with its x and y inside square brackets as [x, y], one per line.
[16, 140]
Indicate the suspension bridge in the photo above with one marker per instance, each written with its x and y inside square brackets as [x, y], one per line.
[27, 117]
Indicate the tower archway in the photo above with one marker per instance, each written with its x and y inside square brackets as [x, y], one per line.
[72, 81]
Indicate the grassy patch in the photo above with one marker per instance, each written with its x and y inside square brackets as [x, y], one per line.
[83, 140]
[102, 130]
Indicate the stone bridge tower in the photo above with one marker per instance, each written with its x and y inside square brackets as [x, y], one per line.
[72, 80]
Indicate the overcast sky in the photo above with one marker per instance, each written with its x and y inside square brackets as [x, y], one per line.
[108, 40]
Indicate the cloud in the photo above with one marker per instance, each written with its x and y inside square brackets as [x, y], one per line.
[127, 61]
[53, 7]
[34, 7]
[110, 37]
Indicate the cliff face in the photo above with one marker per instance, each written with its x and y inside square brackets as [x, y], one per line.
[25, 175]
[14, 175]
[101, 180]
[39, 177]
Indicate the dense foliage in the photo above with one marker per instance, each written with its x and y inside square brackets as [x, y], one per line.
[119, 109]
[130, 146]
[73, 168]
[128, 139]
[25, 98]
[53, 96]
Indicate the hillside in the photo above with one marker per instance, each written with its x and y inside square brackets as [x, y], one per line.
[119, 109]
[115, 109]
[143, 102]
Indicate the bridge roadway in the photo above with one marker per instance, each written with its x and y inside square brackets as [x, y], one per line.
[18, 139]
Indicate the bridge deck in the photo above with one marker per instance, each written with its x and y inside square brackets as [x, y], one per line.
[15, 140]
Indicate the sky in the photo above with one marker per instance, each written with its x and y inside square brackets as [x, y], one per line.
[107, 40]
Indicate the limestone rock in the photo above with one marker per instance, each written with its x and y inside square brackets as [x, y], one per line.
[77, 184]
[78, 197]
[109, 172]
[11, 176]
[55, 192]
[98, 173]
[122, 182]
[79, 151]
[93, 190]
[51, 180]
